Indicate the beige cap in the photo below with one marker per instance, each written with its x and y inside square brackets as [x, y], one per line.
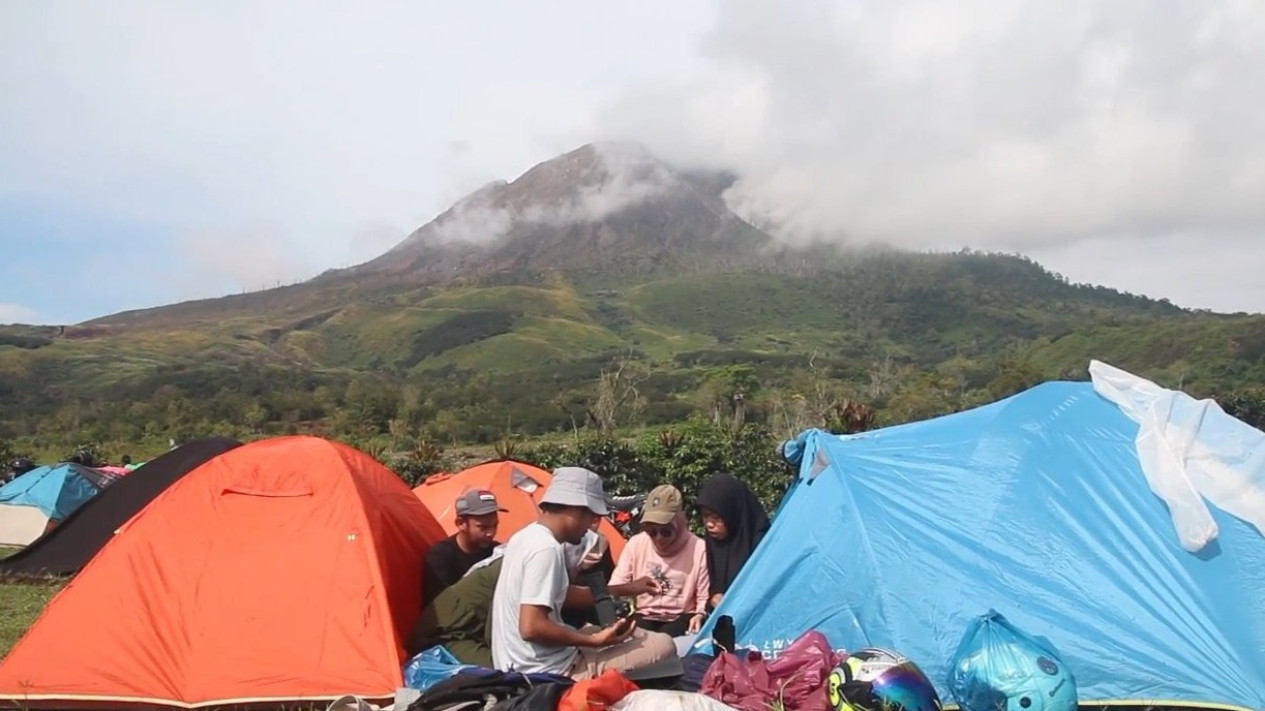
[662, 505]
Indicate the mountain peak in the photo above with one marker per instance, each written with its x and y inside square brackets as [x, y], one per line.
[575, 210]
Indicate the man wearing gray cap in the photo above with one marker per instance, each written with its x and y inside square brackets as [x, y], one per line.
[528, 634]
[477, 520]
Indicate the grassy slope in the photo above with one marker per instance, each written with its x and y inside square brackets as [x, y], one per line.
[1199, 354]
[925, 310]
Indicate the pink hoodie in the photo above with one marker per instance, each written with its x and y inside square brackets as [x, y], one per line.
[682, 574]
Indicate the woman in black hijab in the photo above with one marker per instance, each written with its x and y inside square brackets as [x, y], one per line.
[735, 522]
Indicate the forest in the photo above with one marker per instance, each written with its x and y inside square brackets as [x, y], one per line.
[437, 375]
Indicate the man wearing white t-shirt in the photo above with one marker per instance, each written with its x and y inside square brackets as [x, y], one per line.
[528, 634]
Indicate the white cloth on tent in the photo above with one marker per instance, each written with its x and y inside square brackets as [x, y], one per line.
[1190, 450]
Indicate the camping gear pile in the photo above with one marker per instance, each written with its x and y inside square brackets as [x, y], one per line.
[1081, 546]
[997, 666]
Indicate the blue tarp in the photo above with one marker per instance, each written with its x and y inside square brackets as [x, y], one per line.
[56, 490]
[1035, 506]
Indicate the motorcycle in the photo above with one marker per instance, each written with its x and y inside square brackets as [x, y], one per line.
[625, 511]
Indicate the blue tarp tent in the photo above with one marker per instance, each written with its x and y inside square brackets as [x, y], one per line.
[56, 491]
[1036, 506]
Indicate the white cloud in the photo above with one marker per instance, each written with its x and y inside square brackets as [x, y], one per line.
[1025, 126]
[323, 119]
[1102, 135]
[245, 259]
[586, 186]
[16, 313]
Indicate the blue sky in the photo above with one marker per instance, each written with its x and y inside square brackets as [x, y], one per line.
[152, 152]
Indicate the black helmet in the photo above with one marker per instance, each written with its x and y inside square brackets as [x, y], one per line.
[22, 465]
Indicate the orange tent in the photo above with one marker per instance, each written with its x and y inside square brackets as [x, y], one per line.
[288, 569]
[518, 488]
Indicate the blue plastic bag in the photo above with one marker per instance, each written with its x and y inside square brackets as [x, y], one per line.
[999, 667]
[431, 667]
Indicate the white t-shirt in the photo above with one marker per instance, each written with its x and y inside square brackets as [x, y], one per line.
[534, 573]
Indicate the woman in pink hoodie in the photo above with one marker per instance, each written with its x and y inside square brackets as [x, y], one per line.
[667, 551]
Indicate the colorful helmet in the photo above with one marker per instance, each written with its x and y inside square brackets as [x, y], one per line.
[873, 679]
[1015, 677]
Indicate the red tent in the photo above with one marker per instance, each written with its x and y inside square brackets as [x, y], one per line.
[287, 569]
[518, 488]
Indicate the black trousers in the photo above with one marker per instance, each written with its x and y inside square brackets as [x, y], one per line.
[676, 627]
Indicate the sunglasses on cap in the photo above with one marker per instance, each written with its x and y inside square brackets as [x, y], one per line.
[659, 531]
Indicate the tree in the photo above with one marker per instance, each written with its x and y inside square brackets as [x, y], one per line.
[616, 400]
[255, 417]
[7, 454]
[371, 404]
[420, 461]
[1013, 376]
[1247, 405]
[726, 391]
[850, 417]
[921, 397]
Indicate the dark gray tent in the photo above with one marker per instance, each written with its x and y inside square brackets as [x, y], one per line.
[68, 547]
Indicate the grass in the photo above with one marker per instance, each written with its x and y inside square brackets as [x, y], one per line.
[20, 604]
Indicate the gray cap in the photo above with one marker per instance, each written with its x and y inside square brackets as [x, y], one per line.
[576, 486]
[477, 502]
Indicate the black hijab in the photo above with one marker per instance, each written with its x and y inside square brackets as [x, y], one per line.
[746, 521]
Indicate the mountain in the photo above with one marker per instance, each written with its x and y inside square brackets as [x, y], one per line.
[607, 205]
[501, 313]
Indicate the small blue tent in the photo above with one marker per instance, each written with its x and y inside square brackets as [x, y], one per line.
[1036, 506]
[57, 491]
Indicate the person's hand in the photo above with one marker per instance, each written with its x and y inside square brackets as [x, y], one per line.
[616, 633]
[715, 599]
[696, 623]
[645, 585]
[590, 560]
[594, 556]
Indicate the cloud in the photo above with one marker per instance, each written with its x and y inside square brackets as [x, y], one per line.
[324, 124]
[231, 261]
[295, 136]
[1021, 126]
[16, 313]
[1222, 275]
[582, 187]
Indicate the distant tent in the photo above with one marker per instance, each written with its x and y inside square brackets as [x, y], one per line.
[518, 488]
[1036, 506]
[69, 546]
[54, 492]
[285, 570]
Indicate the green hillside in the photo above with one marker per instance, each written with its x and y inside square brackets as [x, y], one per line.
[522, 352]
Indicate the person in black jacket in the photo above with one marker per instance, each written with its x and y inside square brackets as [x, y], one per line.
[735, 522]
[478, 515]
